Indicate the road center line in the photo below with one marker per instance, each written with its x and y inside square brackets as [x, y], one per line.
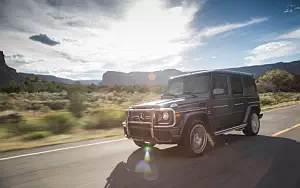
[61, 149]
[285, 130]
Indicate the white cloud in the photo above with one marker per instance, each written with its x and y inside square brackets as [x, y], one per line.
[92, 39]
[208, 32]
[291, 35]
[139, 36]
[214, 57]
[271, 50]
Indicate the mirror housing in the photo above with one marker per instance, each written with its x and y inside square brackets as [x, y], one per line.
[218, 91]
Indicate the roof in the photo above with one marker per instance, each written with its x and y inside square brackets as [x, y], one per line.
[215, 71]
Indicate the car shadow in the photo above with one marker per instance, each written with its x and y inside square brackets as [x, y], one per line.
[234, 161]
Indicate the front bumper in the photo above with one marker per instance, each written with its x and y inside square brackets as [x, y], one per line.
[151, 132]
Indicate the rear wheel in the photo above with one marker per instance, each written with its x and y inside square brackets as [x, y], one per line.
[142, 144]
[253, 125]
[195, 139]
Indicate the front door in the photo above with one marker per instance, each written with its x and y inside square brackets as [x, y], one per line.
[219, 105]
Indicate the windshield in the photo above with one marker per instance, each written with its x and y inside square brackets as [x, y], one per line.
[188, 85]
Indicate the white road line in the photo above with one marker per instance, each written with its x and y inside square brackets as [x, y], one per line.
[61, 149]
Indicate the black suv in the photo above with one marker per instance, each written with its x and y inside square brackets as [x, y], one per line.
[194, 106]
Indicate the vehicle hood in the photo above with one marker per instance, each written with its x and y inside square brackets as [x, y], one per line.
[165, 103]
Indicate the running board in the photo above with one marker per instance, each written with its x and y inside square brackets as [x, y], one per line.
[239, 127]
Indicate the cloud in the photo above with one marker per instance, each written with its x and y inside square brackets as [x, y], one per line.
[214, 57]
[271, 50]
[43, 38]
[288, 11]
[212, 31]
[99, 35]
[291, 35]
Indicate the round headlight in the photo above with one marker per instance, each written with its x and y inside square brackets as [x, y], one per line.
[165, 116]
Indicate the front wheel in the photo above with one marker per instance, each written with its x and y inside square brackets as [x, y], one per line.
[195, 139]
[253, 125]
[142, 144]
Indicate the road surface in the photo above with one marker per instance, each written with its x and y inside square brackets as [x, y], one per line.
[271, 159]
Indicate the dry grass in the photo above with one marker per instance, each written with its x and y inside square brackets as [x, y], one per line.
[17, 143]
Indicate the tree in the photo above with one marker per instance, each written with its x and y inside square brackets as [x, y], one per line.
[276, 80]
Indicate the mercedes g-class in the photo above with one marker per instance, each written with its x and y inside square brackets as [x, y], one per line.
[194, 106]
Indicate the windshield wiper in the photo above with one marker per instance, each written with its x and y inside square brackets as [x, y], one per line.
[189, 93]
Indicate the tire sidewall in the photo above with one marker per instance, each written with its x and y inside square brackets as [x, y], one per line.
[186, 141]
[249, 130]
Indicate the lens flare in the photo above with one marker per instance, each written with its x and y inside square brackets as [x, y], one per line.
[147, 156]
[143, 167]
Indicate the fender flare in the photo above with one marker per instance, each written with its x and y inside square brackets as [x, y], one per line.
[186, 118]
[249, 108]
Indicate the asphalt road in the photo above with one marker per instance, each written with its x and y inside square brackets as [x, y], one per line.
[236, 161]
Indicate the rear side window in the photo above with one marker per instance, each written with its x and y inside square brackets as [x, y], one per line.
[236, 85]
[249, 86]
[220, 81]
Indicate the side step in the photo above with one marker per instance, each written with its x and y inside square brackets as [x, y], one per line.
[238, 128]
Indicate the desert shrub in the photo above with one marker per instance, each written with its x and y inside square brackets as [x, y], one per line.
[11, 118]
[57, 105]
[59, 123]
[77, 105]
[297, 97]
[121, 100]
[93, 99]
[34, 107]
[45, 109]
[37, 135]
[267, 100]
[105, 119]
[28, 126]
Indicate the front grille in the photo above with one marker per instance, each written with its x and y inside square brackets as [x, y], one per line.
[140, 116]
[138, 125]
[140, 133]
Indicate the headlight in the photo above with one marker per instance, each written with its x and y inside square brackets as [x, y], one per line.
[166, 116]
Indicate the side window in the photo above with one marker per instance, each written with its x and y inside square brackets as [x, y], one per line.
[249, 86]
[236, 85]
[220, 81]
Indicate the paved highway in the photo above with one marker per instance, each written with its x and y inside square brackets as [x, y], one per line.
[271, 159]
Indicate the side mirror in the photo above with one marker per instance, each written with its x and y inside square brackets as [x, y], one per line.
[218, 91]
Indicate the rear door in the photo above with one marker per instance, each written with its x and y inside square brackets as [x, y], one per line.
[237, 101]
[219, 105]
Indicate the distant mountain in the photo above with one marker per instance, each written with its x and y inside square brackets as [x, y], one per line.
[58, 79]
[7, 73]
[120, 78]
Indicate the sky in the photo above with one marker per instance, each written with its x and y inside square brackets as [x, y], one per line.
[82, 39]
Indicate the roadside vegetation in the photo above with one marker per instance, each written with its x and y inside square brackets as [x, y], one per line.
[38, 113]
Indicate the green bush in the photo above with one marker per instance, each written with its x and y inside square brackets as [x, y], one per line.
[26, 127]
[57, 105]
[267, 100]
[76, 105]
[105, 119]
[37, 135]
[298, 97]
[59, 123]
[45, 109]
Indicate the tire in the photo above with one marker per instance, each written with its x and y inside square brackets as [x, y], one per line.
[253, 124]
[195, 139]
[142, 144]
